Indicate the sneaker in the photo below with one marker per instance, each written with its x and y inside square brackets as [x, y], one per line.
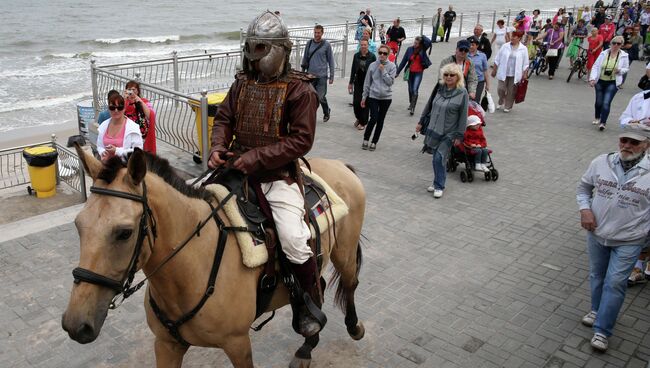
[431, 189]
[506, 110]
[596, 121]
[373, 146]
[499, 107]
[601, 127]
[599, 342]
[485, 168]
[364, 145]
[437, 193]
[589, 319]
[636, 277]
[478, 167]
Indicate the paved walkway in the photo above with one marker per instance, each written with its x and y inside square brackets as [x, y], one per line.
[494, 274]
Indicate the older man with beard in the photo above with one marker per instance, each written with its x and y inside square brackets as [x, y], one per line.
[614, 201]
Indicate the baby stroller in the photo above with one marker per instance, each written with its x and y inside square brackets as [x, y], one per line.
[460, 154]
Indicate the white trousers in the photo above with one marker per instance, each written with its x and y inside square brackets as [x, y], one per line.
[288, 209]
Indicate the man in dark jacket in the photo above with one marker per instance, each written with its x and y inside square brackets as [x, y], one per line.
[484, 46]
[449, 17]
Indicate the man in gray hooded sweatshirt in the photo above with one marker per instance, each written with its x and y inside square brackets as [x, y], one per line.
[614, 201]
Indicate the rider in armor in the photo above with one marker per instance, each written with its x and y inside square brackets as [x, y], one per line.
[266, 123]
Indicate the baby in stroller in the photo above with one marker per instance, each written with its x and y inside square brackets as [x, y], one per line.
[475, 143]
[473, 152]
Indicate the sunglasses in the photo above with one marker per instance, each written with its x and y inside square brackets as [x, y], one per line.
[616, 43]
[625, 140]
[448, 75]
[382, 53]
[118, 107]
[463, 50]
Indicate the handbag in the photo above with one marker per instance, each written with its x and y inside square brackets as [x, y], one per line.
[552, 53]
[491, 107]
[522, 87]
[407, 73]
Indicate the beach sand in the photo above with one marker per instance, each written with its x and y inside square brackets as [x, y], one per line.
[31, 135]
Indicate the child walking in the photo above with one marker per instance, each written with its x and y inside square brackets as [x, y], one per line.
[475, 143]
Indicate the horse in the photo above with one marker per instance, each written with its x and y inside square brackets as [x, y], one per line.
[144, 202]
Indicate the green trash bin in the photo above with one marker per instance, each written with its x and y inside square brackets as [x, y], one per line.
[41, 165]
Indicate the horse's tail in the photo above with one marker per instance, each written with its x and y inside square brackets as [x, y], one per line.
[340, 297]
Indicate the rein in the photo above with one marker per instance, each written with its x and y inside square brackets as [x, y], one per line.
[124, 287]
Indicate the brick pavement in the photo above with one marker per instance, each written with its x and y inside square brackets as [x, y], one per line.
[494, 274]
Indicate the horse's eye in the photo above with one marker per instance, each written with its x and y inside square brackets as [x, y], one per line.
[124, 234]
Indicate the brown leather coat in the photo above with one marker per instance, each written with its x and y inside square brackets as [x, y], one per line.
[298, 123]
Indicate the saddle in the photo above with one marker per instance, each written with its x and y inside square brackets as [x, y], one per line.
[256, 220]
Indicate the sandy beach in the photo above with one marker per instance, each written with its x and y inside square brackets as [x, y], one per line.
[38, 134]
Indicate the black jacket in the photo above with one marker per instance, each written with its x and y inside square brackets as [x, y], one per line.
[485, 46]
[356, 60]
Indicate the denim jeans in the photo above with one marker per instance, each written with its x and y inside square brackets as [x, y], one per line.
[414, 83]
[605, 92]
[609, 268]
[320, 85]
[378, 110]
[480, 155]
[440, 155]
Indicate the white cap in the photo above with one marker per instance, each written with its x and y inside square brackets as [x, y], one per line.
[473, 120]
[637, 131]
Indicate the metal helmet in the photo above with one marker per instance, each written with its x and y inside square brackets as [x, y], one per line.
[267, 42]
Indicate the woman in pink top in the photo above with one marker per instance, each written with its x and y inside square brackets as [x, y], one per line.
[120, 135]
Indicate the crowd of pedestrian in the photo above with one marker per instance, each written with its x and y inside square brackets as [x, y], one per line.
[608, 40]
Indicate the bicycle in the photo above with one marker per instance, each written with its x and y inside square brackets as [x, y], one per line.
[579, 65]
[539, 64]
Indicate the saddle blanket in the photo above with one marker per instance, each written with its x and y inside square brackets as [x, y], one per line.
[253, 251]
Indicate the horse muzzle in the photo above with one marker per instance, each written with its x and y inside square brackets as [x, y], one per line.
[86, 312]
[81, 332]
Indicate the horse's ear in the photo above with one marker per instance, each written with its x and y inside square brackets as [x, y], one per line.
[91, 165]
[137, 167]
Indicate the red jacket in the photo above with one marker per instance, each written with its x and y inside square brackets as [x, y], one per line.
[474, 136]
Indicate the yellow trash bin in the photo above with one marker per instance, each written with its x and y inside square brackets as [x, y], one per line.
[41, 166]
[214, 100]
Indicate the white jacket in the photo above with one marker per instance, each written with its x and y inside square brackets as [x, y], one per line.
[132, 139]
[638, 109]
[521, 63]
[623, 66]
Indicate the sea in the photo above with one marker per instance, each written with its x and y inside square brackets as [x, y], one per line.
[46, 45]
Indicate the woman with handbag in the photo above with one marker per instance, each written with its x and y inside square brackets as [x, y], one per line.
[555, 39]
[415, 60]
[443, 122]
[606, 77]
[510, 68]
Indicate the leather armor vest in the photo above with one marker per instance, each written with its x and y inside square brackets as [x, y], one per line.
[259, 114]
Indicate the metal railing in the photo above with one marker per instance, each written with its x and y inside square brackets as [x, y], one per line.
[69, 169]
[177, 86]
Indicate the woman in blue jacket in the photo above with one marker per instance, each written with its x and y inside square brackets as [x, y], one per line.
[416, 60]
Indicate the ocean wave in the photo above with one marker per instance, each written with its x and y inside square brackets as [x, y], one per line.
[154, 39]
[18, 124]
[46, 102]
[40, 71]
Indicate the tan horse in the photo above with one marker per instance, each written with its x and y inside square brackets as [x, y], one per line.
[108, 229]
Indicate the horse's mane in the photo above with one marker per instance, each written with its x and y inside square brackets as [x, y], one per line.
[155, 165]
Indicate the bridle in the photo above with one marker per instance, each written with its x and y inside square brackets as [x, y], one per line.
[124, 286]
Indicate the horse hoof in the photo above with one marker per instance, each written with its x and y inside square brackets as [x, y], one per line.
[300, 363]
[361, 331]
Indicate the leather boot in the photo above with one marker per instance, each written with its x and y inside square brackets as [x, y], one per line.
[308, 324]
[414, 101]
